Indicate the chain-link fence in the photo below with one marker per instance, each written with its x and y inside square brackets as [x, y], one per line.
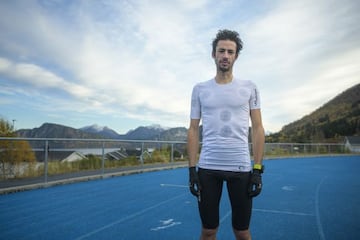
[26, 161]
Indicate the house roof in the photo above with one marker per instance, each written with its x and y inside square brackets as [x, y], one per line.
[52, 156]
[73, 157]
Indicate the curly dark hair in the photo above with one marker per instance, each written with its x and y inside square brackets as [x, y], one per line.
[226, 34]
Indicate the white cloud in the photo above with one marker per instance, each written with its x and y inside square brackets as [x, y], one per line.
[37, 77]
[301, 55]
[140, 59]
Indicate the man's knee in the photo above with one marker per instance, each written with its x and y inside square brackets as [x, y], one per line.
[242, 235]
[208, 234]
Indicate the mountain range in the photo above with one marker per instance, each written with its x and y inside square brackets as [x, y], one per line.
[153, 132]
[330, 123]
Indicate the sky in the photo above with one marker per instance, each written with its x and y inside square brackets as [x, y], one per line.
[124, 64]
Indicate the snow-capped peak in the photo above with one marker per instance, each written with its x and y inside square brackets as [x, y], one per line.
[94, 128]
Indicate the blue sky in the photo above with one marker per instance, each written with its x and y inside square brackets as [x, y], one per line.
[125, 64]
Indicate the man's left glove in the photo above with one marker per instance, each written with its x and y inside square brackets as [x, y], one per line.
[255, 184]
[194, 182]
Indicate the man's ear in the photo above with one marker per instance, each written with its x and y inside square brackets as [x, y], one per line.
[213, 54]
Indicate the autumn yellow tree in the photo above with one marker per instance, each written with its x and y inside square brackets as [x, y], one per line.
[14, 154]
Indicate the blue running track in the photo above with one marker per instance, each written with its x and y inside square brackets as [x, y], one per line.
[303, 198]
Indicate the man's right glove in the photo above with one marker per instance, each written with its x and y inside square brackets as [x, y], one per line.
[194, 182]
[255, 184]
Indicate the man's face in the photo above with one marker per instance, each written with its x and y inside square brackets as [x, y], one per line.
[225, 55]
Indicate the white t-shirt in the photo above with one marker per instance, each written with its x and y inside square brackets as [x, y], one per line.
[225, 111]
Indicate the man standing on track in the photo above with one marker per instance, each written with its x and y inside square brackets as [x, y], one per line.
[225, 104]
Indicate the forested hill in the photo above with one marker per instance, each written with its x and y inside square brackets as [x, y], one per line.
[330, 123]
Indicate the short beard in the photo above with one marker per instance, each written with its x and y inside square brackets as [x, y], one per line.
[224, 69]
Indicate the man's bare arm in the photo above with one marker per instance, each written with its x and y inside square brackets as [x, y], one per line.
[258, 136]
[193, 142]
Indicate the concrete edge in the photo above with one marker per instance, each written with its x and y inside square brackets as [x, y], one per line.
[28, 187]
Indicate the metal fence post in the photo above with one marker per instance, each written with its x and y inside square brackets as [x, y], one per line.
[142, 154]
[46, 161]
[103, 159]
[172, 153]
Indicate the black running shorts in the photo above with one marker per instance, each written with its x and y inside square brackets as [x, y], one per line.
[211, 189]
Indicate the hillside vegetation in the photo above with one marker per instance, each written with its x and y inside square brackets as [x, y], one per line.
[333, 121]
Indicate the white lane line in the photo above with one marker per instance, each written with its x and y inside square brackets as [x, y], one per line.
[173, 185]
[317, 210]
[269, 211]
[282, 212]
[225, 216]
[127, 218]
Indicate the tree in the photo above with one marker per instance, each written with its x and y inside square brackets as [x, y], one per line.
[6, 130]
[14, 154]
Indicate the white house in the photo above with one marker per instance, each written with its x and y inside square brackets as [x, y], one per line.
[73, 157]
[352, 143]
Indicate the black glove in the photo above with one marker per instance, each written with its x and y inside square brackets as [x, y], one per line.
[194, 182]
[255, 183]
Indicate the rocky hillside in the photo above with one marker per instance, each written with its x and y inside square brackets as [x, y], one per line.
[331, 122]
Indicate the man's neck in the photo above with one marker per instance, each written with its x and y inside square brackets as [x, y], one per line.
[223, 77]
